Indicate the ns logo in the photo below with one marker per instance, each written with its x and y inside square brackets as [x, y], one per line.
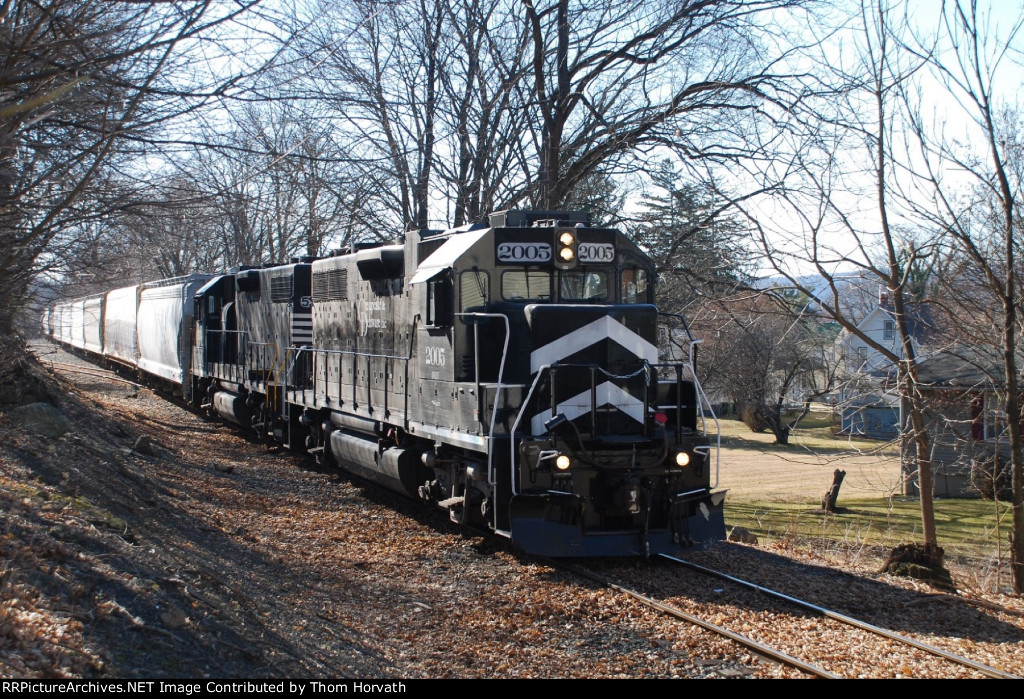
[434, 356]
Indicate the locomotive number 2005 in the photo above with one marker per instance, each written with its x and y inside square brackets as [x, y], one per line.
[476, 433]
[597, 252]
[434, 356]
[524, 252]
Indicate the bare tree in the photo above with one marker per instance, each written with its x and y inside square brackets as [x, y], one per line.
[612, 81]
[766, 355]
[837, 230]
[86, 87]
[979, 209]
[376, 70]
[484, 91]
[494, 103]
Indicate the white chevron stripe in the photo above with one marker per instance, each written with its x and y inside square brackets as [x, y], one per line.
[607, 394]
[604, 327]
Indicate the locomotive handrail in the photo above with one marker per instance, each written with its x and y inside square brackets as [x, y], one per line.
[681, 319]
[512, 432]
[645, 370]
[358, 354]
[290, 383]
[277, 372]
[498, 388]
[718, 426]
[541, 371]
[702, 399]
[408, 359]
[258, 348]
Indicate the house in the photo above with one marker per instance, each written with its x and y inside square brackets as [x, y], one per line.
[875, 415]
[855, 293]
[963, 388]
[879, 326]
[867, 403]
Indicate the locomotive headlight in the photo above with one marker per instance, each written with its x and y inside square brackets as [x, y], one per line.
[682, 459]
[566, 243]
[562, 462]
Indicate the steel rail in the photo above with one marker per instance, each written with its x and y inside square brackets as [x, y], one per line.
[755, 646]
[986, 670]
[98, 372]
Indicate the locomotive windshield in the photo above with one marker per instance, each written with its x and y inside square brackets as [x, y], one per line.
[475, 289]
[526, 285]
[633, 285]
[575, 286]
[583, 286]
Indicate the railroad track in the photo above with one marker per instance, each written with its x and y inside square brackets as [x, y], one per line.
[828, 645]
[89, 370]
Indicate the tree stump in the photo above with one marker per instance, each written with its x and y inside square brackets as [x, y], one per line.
[921, 562]
[828, 501]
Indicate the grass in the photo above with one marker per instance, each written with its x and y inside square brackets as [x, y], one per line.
[966, 528]
[815, 432]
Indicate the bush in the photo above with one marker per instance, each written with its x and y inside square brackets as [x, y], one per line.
[990, 483]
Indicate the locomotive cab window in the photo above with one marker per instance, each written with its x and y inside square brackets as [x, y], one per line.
[526, 285]
[583, 286]
[633, 285]
[474, 290]
[439, 300]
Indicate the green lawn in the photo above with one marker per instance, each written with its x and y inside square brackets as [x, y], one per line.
[966, 527]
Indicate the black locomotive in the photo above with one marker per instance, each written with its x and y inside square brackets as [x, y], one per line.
[507, 372]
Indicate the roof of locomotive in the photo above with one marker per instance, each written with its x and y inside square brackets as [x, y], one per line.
[446, 255]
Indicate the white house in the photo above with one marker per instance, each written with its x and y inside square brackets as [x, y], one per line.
[859, 356]
[868, 402]
[879, 325]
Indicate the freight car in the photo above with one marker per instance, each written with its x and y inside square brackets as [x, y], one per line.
[507, 372]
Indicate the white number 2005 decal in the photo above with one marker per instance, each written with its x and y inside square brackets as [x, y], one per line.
[596, 252]
[524, 252]
[434, 356]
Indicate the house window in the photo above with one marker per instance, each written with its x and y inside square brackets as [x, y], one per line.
[977, 419]
[995, 417]
[889, 330]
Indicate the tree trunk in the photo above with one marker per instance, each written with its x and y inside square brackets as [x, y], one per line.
[828, 501]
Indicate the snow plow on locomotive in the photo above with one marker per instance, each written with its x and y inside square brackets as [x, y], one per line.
[507, 372]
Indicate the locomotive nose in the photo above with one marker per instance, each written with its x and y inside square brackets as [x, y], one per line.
[597, 363]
